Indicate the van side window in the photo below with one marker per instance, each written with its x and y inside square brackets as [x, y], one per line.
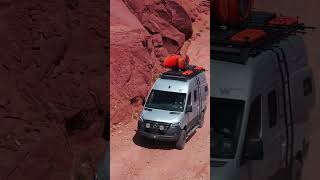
[189, 99]
[272, 108]
[254, 121]
[307, 86]
[195, 98]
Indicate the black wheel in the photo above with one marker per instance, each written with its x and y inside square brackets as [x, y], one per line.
[182, 140]
[201, 121]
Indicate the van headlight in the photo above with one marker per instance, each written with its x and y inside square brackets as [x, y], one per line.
[175, 124]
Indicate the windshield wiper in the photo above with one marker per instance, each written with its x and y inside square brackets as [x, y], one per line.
[174, 112]
[148, 109]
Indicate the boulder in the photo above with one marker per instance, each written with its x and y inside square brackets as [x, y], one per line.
[166, 17]
[155, 25]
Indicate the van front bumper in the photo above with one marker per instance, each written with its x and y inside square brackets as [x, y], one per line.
[171, 134]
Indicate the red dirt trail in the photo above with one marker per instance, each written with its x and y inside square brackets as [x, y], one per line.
[131, 159]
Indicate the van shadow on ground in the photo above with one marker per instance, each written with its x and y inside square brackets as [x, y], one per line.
[156, 144]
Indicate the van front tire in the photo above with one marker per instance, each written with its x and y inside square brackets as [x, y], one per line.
[182, 140]
[141, 138]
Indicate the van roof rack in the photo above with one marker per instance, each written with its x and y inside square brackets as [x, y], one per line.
[180, 75]
[225, 49]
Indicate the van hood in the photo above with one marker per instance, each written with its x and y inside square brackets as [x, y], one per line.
[161, 115]
[222, 170]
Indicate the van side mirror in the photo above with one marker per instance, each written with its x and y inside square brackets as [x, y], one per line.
[254, 149]
[189, 108]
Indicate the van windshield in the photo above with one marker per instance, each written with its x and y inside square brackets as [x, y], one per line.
[225, 126]
[170, 101]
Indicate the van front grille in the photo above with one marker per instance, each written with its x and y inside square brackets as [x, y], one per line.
[155, 127]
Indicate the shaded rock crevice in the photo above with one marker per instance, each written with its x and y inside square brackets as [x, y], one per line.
[52, 57]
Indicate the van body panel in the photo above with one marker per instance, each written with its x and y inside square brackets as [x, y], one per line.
[261, 76]
[230, 85]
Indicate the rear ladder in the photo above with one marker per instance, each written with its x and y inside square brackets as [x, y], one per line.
[287, 101]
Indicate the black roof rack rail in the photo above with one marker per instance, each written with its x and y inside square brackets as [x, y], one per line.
[223, 49]
[178, 74]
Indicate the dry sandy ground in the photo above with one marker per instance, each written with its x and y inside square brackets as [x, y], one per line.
[132, 159]
[309, 12]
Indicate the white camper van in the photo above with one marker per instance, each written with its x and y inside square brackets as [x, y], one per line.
[261, 97]
[175, 106]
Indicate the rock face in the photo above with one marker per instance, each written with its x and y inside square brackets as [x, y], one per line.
[167, 18]
[53, 88]
[173, 39]
[132, 62]
[143, 32]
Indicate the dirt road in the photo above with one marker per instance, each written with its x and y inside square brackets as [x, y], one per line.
[131, 159]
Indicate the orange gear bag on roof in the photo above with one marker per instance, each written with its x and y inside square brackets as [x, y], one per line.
[284, 21]
[248, 36]
[176, 61]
